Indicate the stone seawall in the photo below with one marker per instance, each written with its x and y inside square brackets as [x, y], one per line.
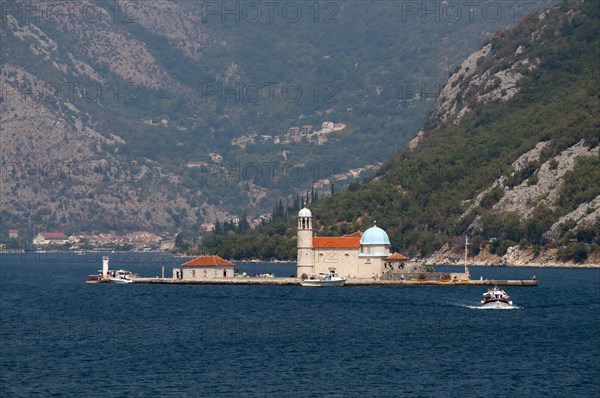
[349, 282]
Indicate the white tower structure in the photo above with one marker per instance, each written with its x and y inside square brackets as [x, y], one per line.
[104, 266]
[305, 264]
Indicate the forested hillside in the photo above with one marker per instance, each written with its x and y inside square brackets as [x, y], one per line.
[508, 155]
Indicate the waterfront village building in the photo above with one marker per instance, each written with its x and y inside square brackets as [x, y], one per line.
[359, 255]
[50, 238]
[204, 267]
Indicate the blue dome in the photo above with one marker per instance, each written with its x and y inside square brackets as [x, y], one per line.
[375, 236]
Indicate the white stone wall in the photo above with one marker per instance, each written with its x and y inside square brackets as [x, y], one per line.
[304, 262]
[347, 263]
[375, 250]
[201, 273]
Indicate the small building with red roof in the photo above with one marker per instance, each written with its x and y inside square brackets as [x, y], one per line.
[50, 238]
[396, 262]
[204, 267]
[396, 257]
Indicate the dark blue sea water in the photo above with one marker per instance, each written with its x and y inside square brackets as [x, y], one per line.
[62, 337]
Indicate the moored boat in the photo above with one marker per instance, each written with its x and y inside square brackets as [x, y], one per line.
[97, 278]
[121, 276]
[331, 279]
[106, 275]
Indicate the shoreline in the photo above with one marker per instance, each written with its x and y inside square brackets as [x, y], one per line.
[280, 281]
[281, 262]
[532, 265]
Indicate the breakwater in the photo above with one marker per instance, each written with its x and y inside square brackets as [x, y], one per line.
[349, 282]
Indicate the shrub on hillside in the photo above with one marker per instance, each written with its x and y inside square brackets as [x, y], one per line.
[576, 252]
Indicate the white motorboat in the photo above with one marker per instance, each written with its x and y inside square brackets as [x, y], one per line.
[121, 276]
[331, 279]
[496, 298]
[106, 275]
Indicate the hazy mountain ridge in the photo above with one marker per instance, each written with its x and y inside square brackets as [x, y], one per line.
[110, 77]
[55, 187]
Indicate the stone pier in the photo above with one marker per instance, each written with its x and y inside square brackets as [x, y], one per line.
[349, 282]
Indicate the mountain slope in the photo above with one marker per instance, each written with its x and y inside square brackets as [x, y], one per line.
[129, 84]
[508, 153]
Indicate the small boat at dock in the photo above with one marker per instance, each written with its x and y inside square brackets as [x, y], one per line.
[331, 279]
[95, 278]
[121, 276]
[106, 275]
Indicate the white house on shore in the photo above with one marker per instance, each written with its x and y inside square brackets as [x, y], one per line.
[204, 267]
[50, 238]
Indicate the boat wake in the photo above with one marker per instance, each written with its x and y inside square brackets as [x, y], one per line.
[481, 307]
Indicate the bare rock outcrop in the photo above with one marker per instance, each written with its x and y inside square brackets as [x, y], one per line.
[476, 82]
[584, 214]
[59, 172]
[523, 197]
[171, 20]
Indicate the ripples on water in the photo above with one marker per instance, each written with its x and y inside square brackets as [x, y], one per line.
[63, 337]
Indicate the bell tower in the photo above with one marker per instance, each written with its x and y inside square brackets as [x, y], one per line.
[305, 244]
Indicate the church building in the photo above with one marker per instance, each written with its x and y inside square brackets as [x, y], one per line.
[359, 255]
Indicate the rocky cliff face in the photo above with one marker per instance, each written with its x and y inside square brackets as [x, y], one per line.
[56, 157]
[61, 166]
[544, 185]
[173, 21]
[534, 185]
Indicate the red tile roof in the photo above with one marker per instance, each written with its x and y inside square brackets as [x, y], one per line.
[396, 256]
[53, 235]
[343, 242]
[207, 261]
